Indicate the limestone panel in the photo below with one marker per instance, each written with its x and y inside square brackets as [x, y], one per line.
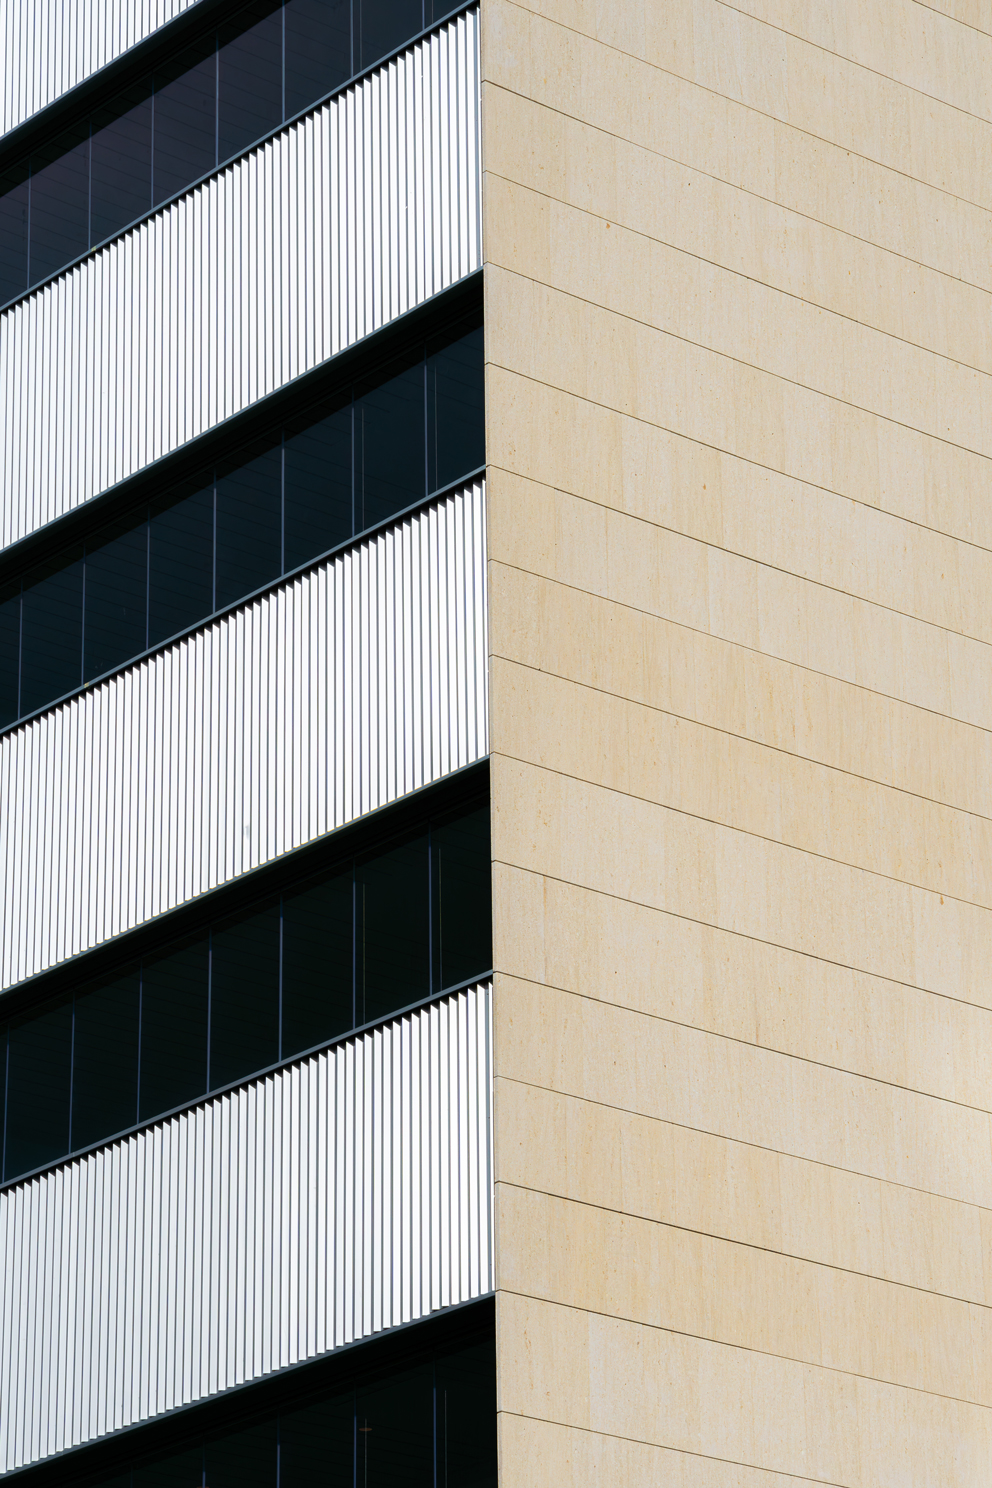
[591, 546]
[667, 966]
[601, 643]
[692, 1395]
[621, 1266]
[634, 850]
[702, 127]
[567, 161]
[638, 1165]
[654, 756]
[649, 283]
[647, 1066]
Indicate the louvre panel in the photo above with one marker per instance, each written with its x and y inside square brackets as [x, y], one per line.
[340, 691]
[346, 1194]
[49, 46]
[345, 220]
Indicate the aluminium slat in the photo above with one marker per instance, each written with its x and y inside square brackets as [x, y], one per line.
[219, 754]
[51, 46]
[342, 222]
[221, 1244]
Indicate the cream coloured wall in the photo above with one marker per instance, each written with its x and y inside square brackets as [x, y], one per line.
[739, 424]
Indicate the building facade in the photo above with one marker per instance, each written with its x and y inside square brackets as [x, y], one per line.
[494, 771]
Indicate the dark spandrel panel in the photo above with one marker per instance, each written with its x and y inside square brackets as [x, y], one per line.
[10, 651]
[180, 564]
[3, 1087]
[244, 996]
[180, 1470]
[116, 596]
[105, 1060]
[317, 1445]
[38, 1073]
[249, 527]
[243, 1459]
[51, 632]
[393, 930]
[389, 446]
[13, 234]
[436, 10]
[318, 488]
[317, 985]
[184, 128]
[173, 1029]
[318, 50]
[395, 1431]
[455, 410]
[121, 163]
[466, 1417]
[383, 25]
[463, 877]
[249, 73]
[60, 204]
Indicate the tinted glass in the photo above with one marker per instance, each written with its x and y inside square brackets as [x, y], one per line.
[463, 920]
[13, 234]
[121, 164]
[318, 488]
[316, 1445]
[10, 651]
[395, 1435]
[244, 996]
[105, 1060]
[466, 1418]
[173, 1029]
[383, 25]
[180, 1470]
[317, 986]
[38, 1072]
[181, 564]
[60, 187]
[51, 632]
[456, 410]
[243, 1459]
[116, 596]
[318, 50]
[249, 527]
[185, 120]
[249, 78]
[389, 446]
[393, 960]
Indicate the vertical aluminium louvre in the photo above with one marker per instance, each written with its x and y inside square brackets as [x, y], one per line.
[345, 1194]
[361, 211]
[331, 695]
[50, 46]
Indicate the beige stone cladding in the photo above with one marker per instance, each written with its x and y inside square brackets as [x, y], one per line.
[739, 390]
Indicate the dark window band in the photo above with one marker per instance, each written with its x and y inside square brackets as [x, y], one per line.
[426, 1389]
[150, 140]
[342, 947]
[373, 448]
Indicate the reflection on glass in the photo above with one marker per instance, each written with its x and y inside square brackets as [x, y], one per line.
[105, 1060]
[249, 78]
[10, 652]
[396, 1431]
[121, 164]
[38, 1069]
[383, 25]
[249, 527]
[180, 564]
[185, 129]
[244, 996]
[318, 507]
[51, 631]
[318, 990]
[60, 180]
[174, 992]
[318, 50]
[392, 930]
[389, 445]
[116, 596]
[13, 233]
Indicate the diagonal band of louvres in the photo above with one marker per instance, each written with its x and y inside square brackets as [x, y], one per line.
[328, 697]
[348, 1193]
[352, 216]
